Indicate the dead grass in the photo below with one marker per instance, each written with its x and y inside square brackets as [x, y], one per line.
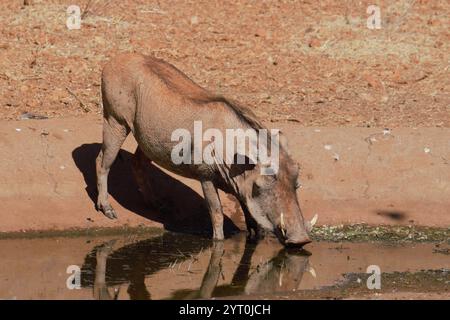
[311, 62]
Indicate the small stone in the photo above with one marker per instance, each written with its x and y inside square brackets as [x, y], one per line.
[272, 61]
[373, 82]
[366, 97]
[194, 20]
[100, 40]
[314, 43]
[29, 115]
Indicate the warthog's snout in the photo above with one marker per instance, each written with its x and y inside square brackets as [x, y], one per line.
[299, 241]
[292, 239]
[292, 235]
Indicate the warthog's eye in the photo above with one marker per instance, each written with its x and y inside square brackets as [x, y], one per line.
[256, 190]
[263, 183]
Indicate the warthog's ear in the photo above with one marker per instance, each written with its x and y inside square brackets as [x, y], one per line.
[241, 163]
[283, 142]
[261, 183]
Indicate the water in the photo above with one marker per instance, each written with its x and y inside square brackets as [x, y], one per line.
[173, 266]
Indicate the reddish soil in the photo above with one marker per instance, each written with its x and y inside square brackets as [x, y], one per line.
[48, 179]
[315, 63]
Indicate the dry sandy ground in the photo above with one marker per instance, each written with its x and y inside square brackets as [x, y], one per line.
[348, 175]
[312, 62]
[308, 63]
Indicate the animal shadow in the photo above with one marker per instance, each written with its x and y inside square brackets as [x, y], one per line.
[395, 215]
[181, 208]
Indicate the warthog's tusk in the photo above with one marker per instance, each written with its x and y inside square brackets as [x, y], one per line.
[282, 225]
[314, 220]
[312, 271]
[310, 224]
[280, 279]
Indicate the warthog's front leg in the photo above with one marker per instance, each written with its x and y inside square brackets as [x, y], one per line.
[215, 208]
[254, 230]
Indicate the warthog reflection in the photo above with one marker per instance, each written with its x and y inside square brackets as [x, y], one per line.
[105, 268]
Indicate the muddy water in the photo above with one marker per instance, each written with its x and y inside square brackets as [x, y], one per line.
[171, 266]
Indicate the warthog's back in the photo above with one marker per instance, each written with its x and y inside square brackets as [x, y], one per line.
[154, 99]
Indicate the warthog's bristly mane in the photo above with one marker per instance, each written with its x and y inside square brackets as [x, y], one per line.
[178, 81]
[244, 113]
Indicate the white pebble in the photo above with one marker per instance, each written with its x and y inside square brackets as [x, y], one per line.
[194, 20]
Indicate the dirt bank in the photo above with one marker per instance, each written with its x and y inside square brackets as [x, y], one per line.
[349, 175]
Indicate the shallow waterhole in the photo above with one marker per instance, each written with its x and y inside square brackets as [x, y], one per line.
[179, 266]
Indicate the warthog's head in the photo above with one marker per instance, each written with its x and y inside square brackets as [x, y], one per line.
[271, 199]
[283, 273]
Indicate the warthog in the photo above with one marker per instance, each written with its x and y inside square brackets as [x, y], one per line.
[151, 98]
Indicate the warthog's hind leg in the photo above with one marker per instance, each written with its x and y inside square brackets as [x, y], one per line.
[114, 135]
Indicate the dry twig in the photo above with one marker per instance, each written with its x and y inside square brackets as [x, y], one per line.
[82, 104]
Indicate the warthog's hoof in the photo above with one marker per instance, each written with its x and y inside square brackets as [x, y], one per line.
[108, 211]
